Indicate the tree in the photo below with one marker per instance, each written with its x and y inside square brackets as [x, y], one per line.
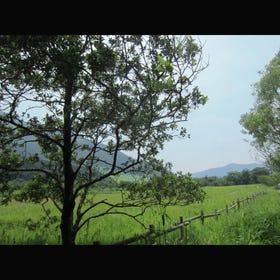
[263, 120]
[245, 177]
[233, 178]
[130, 93]
[257, 173]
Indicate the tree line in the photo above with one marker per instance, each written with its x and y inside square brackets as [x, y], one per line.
[258, 175]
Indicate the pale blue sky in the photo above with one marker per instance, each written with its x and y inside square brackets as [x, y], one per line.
[216, 137]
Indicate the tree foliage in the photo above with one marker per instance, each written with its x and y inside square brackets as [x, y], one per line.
[130, 93]
[263, 120]
[165, 189]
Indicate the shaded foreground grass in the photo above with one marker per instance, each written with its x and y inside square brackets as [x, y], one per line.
[257, 222]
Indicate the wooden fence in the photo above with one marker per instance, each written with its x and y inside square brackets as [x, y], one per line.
[153, 233]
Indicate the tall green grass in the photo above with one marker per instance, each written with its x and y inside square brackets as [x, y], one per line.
[255, 223]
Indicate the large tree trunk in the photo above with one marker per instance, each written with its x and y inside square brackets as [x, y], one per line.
[66, 226]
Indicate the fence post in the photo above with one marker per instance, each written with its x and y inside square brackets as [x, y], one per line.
[163, 220]
[216, 213]
[227, 209]
[148, 239]
[238, 204]
[87, 228]
[202, 217]
[181, 228]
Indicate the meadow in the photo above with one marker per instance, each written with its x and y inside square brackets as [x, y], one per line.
[255, 223]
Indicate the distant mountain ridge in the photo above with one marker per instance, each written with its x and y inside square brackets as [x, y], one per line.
[32, 148]
[223, 170]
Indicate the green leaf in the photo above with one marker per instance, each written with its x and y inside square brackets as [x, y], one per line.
[160, 69]
[169, 82]
[161, 59]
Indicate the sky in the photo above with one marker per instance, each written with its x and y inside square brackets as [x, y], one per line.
[216, 137]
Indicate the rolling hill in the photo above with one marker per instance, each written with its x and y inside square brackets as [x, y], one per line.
[32, 148]
[223, 170]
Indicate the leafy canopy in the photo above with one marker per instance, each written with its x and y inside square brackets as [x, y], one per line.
[263, 120]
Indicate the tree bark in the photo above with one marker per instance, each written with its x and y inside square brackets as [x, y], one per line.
[66, 226]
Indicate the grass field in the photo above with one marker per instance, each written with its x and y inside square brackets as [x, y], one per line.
[257, 222]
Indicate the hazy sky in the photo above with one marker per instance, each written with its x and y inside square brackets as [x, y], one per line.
[216, 137]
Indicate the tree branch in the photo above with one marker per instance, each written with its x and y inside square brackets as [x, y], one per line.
[108, 211]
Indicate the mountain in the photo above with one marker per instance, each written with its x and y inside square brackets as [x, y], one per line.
[223, 170]
[32, 148]
[105, 156]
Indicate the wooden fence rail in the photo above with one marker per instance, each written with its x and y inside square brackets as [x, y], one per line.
[179, 225]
